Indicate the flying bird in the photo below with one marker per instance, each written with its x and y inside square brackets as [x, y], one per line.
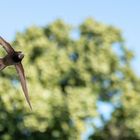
[14, 58]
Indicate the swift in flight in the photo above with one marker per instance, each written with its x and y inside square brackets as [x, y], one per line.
[14, 58]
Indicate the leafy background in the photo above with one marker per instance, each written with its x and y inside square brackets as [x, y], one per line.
[66, 78]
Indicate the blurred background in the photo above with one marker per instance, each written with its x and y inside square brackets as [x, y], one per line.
[82, 68]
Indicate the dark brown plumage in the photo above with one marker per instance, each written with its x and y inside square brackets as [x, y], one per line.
[14, 58]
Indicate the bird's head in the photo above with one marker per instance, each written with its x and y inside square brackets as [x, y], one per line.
[20, 55]
[17, 57]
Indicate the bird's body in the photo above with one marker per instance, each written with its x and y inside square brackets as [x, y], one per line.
[14, 58]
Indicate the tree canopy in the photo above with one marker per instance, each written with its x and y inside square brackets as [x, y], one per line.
[66, 77]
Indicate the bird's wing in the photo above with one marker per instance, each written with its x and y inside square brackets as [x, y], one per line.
[20, 72]
[2, 65]
[6, 46]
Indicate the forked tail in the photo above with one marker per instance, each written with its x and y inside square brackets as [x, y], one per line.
[2, 65]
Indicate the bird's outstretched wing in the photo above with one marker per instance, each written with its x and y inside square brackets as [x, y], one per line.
[6, 46]
[20, 72]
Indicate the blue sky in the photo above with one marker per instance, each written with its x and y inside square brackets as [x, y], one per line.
[17, 15]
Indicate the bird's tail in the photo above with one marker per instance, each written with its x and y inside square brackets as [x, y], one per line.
[2, 65]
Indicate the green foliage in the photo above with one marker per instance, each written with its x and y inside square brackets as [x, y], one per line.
[66, 77]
